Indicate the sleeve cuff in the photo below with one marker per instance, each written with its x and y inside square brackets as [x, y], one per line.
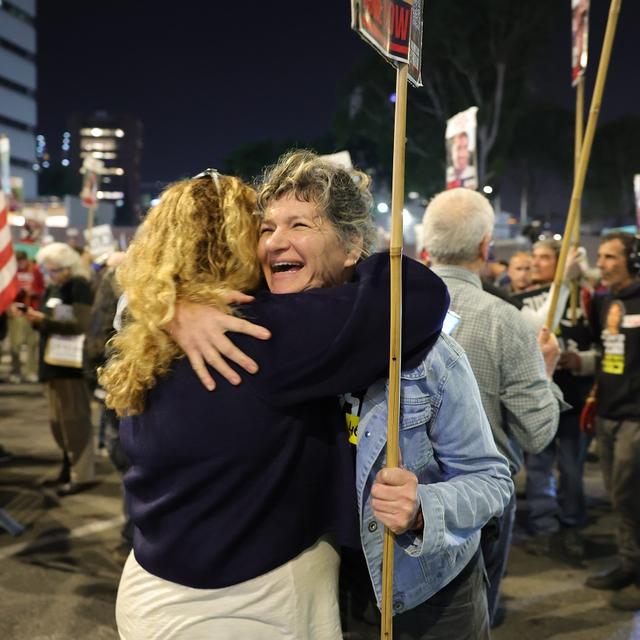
[557, 392]
[431, 538]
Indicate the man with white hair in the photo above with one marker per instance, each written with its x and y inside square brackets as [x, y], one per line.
[513, 370]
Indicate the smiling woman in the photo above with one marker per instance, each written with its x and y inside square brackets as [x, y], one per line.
[316, 223]
[299, 249]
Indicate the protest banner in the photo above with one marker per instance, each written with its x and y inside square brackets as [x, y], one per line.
[579, 56]
[91, 170]
[100, 240]
[579, 39]
[461, 145]
[341, 158]
[394, 29]
[585, 153]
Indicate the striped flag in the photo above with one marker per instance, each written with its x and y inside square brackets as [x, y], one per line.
[8, 266]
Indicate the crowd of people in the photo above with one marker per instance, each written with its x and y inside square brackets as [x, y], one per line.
[244, 398]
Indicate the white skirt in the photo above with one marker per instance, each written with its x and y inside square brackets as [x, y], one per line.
[297, 601]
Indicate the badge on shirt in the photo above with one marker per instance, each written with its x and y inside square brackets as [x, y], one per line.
[352, 407]
[612, 340]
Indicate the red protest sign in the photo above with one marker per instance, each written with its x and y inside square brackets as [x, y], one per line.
[579, 38]
[393, 28]
[91, 169]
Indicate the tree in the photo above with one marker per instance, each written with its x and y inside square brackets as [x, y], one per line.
[614, 161]
[247, 161]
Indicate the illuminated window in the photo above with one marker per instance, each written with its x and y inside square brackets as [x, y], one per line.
[99, 132]
[110, 195]
[103, 155]
[95, 145]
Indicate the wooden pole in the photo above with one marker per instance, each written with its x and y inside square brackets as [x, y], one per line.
[90, 217]
[585, 153]
[575, 285]
[395, 343]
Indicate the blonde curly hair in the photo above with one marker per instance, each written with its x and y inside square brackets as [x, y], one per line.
[197, 243]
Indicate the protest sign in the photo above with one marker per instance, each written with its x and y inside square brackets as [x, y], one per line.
[585, 152]
[394, 29]
[579, 38]
[100, 240]
[91, 169]
[460, 140]
[341, 158]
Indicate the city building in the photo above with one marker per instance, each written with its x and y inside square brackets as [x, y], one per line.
[18, 113]
[116, 140]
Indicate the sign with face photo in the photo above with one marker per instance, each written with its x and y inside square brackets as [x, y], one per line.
[460, 140]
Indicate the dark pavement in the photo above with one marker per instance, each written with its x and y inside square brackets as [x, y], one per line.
[58, 580]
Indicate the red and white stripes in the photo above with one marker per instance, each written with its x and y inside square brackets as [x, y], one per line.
[8, 266]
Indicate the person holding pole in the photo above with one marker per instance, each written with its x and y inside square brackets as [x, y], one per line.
[452, 480]
[557, 512]
[513, 370]
[615, 321]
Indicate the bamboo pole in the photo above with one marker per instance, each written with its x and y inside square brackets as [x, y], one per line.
[395, 342]
[575, 285]
[585, 153]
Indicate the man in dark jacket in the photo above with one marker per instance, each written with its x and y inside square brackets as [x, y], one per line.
[616, 323]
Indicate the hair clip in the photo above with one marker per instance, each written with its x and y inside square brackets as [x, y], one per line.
[214, 174]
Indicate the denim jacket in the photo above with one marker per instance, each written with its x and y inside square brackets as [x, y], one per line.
[445, 439]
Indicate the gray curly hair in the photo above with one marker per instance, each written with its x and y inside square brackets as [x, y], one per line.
[343, 196]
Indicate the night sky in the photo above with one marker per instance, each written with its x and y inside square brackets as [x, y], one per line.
[205, 77]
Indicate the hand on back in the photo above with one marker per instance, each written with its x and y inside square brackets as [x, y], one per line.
[200, 331]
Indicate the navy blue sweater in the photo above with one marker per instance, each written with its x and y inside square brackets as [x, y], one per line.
[230, 484]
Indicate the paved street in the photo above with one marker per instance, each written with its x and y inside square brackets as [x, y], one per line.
[58, 580]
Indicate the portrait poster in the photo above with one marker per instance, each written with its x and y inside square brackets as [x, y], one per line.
[461, 146]
[579, 38]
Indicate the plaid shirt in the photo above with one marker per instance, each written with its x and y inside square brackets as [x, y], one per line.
[522, 404]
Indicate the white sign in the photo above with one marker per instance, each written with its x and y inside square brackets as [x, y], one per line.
[460, 139]
[100, 240]
[64, 351]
